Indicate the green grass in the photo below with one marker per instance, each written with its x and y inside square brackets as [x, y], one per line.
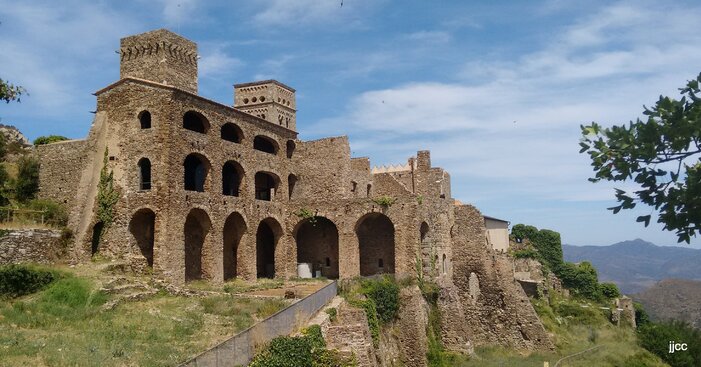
[63, 325]
[573, 329]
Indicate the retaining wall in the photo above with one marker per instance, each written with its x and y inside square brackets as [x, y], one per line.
[30, 245]
[240, 349]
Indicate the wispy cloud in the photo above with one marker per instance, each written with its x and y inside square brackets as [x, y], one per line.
[216, 62]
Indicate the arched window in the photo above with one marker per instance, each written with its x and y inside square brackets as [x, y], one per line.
[195, 121]
[291, 182]
[231, 178]
[290, 148]
[266, 186]
[265, 144]
[196, 170]
[145, 119]
[144, 174]
[231, 132]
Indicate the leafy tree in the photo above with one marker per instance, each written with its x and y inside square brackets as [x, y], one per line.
[519, 232]
[661, 155]
[10, 92]
[49, 139]
[641, 316]
[655, 337]
[27, 183]
[609, 290]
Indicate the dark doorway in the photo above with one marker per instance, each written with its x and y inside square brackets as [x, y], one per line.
[144, 174]
[142, 227]
[96, 236]
[317, 243]
[375, 233]
[234, 229]
[197, 226]
[267, 236]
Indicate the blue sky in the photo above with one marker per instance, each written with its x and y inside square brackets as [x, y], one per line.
[496, 90]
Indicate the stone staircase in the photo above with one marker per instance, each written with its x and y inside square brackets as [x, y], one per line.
[124, 289]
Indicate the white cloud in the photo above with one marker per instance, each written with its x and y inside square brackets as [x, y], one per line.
[518, 120]
[217, 62]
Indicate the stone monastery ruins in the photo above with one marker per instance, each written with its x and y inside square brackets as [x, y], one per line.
[212, 191]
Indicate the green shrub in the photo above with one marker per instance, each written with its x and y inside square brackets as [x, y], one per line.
[306, 350]
[384, 200]
[655, 337]
[54, 213]
[49, 139]
[578, 314]
[527, 253]
[520, 232]
[609, 290]
[385, 294]
[19, 280]
[27, 182]
[332, 312]
[641, 316]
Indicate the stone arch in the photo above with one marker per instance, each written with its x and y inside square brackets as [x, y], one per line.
[195, 121]
[291, 183]
[144, 174]
[317, 244]
[291, 146]
[196, 171]
[231, 132]
[267, 184]
[196, 229]
[143, 228]
[145, 119]
[267, 238]
[265, 144]
[375, 233]
[232, 176]
[234, 229]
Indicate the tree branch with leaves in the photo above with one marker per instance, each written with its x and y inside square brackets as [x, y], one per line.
[661, 155]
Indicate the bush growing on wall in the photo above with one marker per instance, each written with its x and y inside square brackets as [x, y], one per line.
[385, 293]
[49, 139]
[307, 350]
[609, 290]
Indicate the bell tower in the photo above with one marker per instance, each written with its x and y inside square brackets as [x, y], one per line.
[269, 100]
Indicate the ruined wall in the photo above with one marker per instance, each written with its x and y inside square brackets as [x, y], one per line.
[31, 246]
[323, 168]
[62, 164]
[497, 309]
[361, 178]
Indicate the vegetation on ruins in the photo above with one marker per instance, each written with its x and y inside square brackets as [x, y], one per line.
[49, 139]
[660, 155]
[309, 349]
[107, 198]
[384, 200]
[305, 213]
[378, 297]
[545, 246]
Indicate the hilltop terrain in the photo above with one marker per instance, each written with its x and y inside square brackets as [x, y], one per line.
[678, 299]
[637, 265]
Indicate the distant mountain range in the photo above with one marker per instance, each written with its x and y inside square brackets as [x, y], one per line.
[637, 265]
[678, 299]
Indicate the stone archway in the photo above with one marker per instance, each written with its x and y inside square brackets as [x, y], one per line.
[375, 233]
[197, 227]
[234, 229]
[317, 243]
[267, 237]
[142, 227]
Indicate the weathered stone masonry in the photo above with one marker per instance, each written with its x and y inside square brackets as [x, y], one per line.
[213, 191]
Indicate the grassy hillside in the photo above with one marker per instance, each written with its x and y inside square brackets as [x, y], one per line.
[67, 323]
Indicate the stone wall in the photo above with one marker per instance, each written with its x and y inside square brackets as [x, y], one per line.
[42, 246]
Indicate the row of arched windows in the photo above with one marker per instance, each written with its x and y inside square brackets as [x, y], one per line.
[196, 122]
[197, 168]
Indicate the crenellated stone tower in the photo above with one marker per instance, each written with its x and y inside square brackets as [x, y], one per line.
[160, 56]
